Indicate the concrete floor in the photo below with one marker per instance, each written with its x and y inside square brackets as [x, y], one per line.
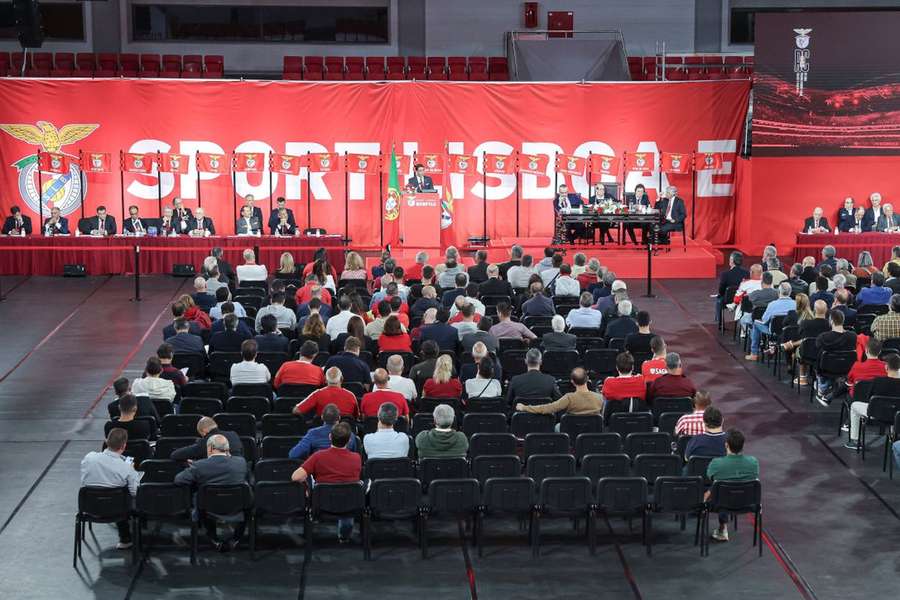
[831, 520]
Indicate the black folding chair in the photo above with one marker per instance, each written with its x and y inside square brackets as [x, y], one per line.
[160, 470]
[598, 466]
[393, 499]
[624, 497]
[163, 502]
[275, 469]
[483, 444]
[243, 424]
[523, 423]
[257, 406]
[564, 497]
[625, 423]
[99, 505]
[390, 468]
[575, 425]
[180, 425]
[458, 498]
[442, 468]
[736, 497]
[647, 443]
[505, 496]
[597, 443]
[206, 407]
[339, 500]
[542, 466]
[284, 500]
[473, 423]
[221, 503]
[681, 496]
[488, 466]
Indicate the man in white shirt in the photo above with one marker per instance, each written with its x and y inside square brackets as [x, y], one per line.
[287, 319]
[585, 315]
[398, 382]
[248, 370]
[468, 324]
[551, 273]
[471, 297]
[337, 324]
[152, 385]
[385, 442]
[250, 271]
[519, 275]
[109, 469]
[565, 285]
[223, 295]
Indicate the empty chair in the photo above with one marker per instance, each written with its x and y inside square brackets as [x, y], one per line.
[282, 424]
[160, 470]
[278, 446]
[667, 422]
[483, 444]
[280, 500]
[671, 405]
[600, 362]
[647, 443]
[540, 466]
[389, 468]
[252, 389]
[442, 468]
[275, 469]
[221, 503]
[257, 406]
[243, 424]
[486, 405]
[575, 425]
[455, 498]
[597, 443]
[200, 406]
[392, 499]
[523, 423]
[559, 363]
[487, 466]
[166, 445]
[179, 425]
[680, 496]
[546, 443]
[598, 466]
[161, 502]
[563, 497]
[505, 495]
[651, 466]
[625, 423]
[624, 497]
[484, 423]
[296, 390]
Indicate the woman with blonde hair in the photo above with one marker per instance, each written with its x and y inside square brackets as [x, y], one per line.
[286, 266]
[354, 267]
[442, 384]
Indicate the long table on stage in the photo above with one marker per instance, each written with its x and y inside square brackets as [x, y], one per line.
[848, 245]
[35, 255]
[615, 220]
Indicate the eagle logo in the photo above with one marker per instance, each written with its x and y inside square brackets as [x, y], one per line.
[62, 191]
[500, 164]
[605, 164]
[286, 164]
[533, 165]
[431, 163]
[362, 164]
[676, 163]
[463, 165]
[641, 161]
[709, 160]
[570, 165]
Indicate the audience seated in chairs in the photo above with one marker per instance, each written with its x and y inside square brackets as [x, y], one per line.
[585, 316]
[301, 371]
[558, 340]
[626, 384]
[483, 335]
[182, 339]
[385, 442]
[711, 442]
[349, 365]
[884, 385]
[248, 370]
[206, 429]
[674, 384]
[836, 340]
[442, 441]
[372, 401]
[138, 429]
[506, 328]
[165, 353]
[484, 384]
[110, 469]
[284, 317]
[332, 393]
[318, 438]
[442, 383]
[887, 326]
[270, 338]
[734, 466]
[581, 401]
[398, 382]
[623, 324]
[230, 338]
[655, 368]
[532, 384]
[693, 423]
[777, 308]
[152, 385]
[145, 406]
[640, 342]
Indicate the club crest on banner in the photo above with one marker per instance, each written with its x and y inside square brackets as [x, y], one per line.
[175, 162]
[325, 162]
[709, 159]
[214, 162]
[463, 164]
[96, 161]
[63, 190]
[362, 164]
[500, 164]
[392, 205]
[285, 164]
[605, 164]
[533, 165]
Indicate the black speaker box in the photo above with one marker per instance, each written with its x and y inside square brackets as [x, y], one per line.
[74, 271]
[27, 16]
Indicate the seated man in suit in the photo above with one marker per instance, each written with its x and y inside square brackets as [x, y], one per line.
[230, 338]
[874, 212]
[816, 223]
[219, 468]
[201, 225]
[56, 224]
[532, 383]
[167, 222]
[421, 182]
[857, 222]
[182, 216]
[255, 211]
[270, 339]
[247, 224]
[638, 198]
[888, 222]
[102, 222]
[558, 340]
[17, 223]
[671, 211]
[845, 215]
[275, 216]
[565, 201]
[185, 342]
[134, 224]
[283, 224]
[598, 196]
[178, 310]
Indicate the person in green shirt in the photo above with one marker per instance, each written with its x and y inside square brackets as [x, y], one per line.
[734, 466]
[442, 441]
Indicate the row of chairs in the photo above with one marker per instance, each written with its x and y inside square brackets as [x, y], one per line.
[454, 68]
[707, 66]
[110, 64]
[401, 499]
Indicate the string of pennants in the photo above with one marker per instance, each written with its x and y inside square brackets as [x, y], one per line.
[372, 164]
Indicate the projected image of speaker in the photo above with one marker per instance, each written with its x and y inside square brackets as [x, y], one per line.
[27, 16]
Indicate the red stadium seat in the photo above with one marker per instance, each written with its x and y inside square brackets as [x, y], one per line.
[677, 75]
[354, 73]
[376, 72]
[107, 61]
[478, 71]
[214, 63]
[42, 60]
[64, 61]
[748, 60]
[734, 60]
[416, 72]
[354, 62]
[170, 74]
[79, 72]
[213, 75]
[37, 72]
[334, 63]
[171, 62]
[18, 59]
[129, 61]
[396, 61]
[314, 61]
[497, 62]
[192, 70]
[151, 62]
[437, 74]
[192, 62]
[458, 71]
[712, 59]
[499, 76]
[375, 61]
[697, 75]
[60, 72]
[416, 61]
[85, 61]
[334, 73]
[292, 64]
[292, 76]
[436, 62]
[457, 60]
[313, 71]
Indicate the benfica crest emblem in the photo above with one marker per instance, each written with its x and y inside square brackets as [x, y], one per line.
[571, 165]
[175, 163]
[285, 164]
[709, 159]
[138, 162]
[676, 163]
[463, 165]
[605, 164]
[362, 164]
[500, 164]
[214, 162]
[431, 163]
[325, 162]
[251, 161]
[96, 161]
[640, 161]
[533, 165]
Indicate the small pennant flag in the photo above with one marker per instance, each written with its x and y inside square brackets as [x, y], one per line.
[212, 163]
[287, 164]
[96, 162]
[639, 161]
[570, 165]
[603, 164]
[704, 161]
[535, 164]
[138, 163]
[323, 162]
[174, 163]
[499, 164]
[54, 162]
[249, 162]
[362, 163]
[433, 163]
[462, 163]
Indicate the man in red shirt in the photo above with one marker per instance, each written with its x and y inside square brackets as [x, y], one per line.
[626, 385]
[673, 384]
[868, 369]
[415, 271]
[334, 465]
[333, 393]
[301, 371]
[305, 293]
[372, 401]
[655, 368]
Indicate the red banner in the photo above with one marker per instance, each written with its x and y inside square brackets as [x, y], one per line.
[603, 164]
[570, 165]
[249, 162]
[138, 163]
[499, 164]
[286, 164]
[96, 162]
[705, 161]
[643, 162]
[670, 162]
[404, 162]
[54, 162]
[174, 163]
[471, 118]
[323, 163]
[535, 164]
[433, 163]
[212, 163]
[362, 163]
[462, 163]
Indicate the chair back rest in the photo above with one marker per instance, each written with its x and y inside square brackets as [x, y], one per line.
[486, 405]
[252, 389]
[486, 467]
[139, 450]
[275, 469]
[206, 407]
[541, 466]
[180, 425]
[395, 497]
[204, 389]
[454, 496]
[508, 494]
[282, 424]
[675, 405]
[678, 494]
[648, 443]
[598, 466]
[484, 423]
[546, 443]
[836, 362]
[484, 444]
[338, 499]
[622, 495]
[651, 466]
[575, 425]
[296, 390]
[242, 423]
[442, 468]
[601, 361]
[597, 443]
[104, 503]
[162, 499]
[257, 406]
[166, 445]
[280, 497]
[278, 446]
[523, 423]
[565, 494]
[697, 466]
[882, 409]
[160, 470]
[625, 423]
[735, 496]
[224, 500]
[389, 468]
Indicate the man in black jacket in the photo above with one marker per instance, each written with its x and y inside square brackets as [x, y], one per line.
[101, 222]
[219, 468]
[532, 384]
[145, 406]
[478, 271]
[206, 428]
[733, 277]
[515, 260]
[494, 286]
[17, 223]
[230, 339]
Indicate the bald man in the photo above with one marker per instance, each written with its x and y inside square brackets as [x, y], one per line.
[201, 225]
[816, 223]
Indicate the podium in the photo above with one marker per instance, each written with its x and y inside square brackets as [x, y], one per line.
[420, 220]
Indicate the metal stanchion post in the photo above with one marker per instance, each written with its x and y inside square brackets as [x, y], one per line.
[137, 273]
[652, 239]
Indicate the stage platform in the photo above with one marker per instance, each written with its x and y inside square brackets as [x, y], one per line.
[695, 260]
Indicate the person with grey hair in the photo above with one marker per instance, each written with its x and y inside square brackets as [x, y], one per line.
[844, 268]
[202, 296]
[250, 271]
[769, 251]
[442, 441]
[674, 384]
[817, 223]
[532, 384]
[516, 252]
[493, 285]
[219, 468]
[672, 211]
[773, 266]
[518, 275]
[558, 340]
[414, 273]
[612, 287]
[624, 324]
[397, 382]
[206, 429]
[385, 442]
[865, 266]
[889, 221]
[874, 213]
[828, 258]
[777, 308]
[579, 264]
[585, 315]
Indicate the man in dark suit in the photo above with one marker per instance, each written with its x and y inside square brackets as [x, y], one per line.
[206, 428]
[857, 222]
[351, 366]
[220, 468]
[889, 222]
[816, 223]
[178, 313]
[56, 224]
[17, 223]
[598, 196]
[532, 384]
[671, 211]
[134, 223]
[271, 340]
[515, 260]
[478, 271]
[539, 305]
[181, 216]
[167, 221]
[274, 219]
[494, 286]
[101, 222]
[845, 215]
[623, 324]
[874, 212]
[639, 198]
[201, 224]
[255, 211]
[247, 224]
[230, 339]
[225, 267]
[733, 277]
[184, 342]
[449, 296]
[444, 335]
[558, 340]
[420, 181]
